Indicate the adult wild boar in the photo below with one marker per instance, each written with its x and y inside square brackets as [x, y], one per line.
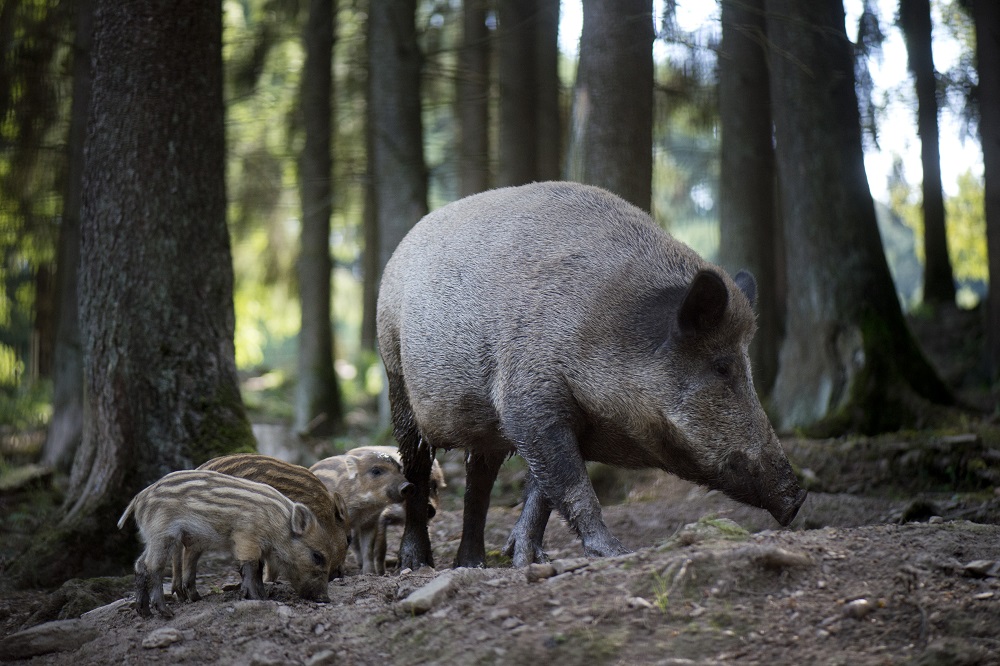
[557, 321]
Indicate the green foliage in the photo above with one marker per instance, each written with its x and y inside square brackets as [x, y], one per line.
[966, 228]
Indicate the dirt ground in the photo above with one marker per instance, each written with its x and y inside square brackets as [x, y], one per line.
[711, 581]
[893, 559]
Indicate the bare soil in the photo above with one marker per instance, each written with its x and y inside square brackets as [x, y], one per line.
[711, 581]
[893, 559]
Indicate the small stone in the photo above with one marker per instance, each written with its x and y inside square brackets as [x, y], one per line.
[162, 637]
[319, 628]
[511, 623]
[499, 614]
[322, 658]
[285, 612]
[638, 602]
[822, 633]
[428, 596]
[983, 596]
[935, 520]
[573, 564]
[858, 609]
[779, 558]
[982, 568]
[537, 572]
[56, 636]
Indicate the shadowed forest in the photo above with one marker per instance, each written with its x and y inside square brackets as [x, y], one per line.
[197, 204]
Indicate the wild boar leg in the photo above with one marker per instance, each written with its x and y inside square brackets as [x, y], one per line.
[251, 586]
[177, 574]
[524, 546]
[155, 563]
[480, 474]
[366, 547]
[191, 557]
[415, 547]
[142, 587]
[553, 457]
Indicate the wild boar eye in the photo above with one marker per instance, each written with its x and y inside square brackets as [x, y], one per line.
[722, 369]
[318, 559]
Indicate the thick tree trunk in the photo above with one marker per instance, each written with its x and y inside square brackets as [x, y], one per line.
[549, 126]
[399, 171]
[612, 135]
[517, 73]
[848, 359]
[915, 20]
[987, 18]
[318, 408]
[66, 426]
[472, 95]
[156, 278]
[749, 226]
[528, 72]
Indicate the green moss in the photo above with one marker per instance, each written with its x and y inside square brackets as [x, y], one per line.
[893, 389]
[223, 428]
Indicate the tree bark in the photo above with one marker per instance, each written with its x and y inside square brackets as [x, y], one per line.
[549, 126]
[517, 73]
[318, 409]
[156, 277]
[66, 426]
[848, 361]
[399, 171]
[986, 15]
[612, 135]
[915, 21]
[749, 228]
[472, 96]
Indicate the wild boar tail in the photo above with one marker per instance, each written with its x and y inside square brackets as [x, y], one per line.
[128, 511]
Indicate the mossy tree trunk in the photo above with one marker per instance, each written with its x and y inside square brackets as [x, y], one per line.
[848, 360]
[156, 277]
[749, 229]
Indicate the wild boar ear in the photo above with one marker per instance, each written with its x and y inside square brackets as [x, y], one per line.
[339, 508]
[748, 285]
[302, 519]
[352, 467]
[704, 304]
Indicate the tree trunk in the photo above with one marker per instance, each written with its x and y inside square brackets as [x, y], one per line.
[749, 228]
[517, 74]
[400, 175]
[549, 125]
[66, 426]
[986, 15]
[318, 408]
[612, 136]
[915, 21]
[156, 277]
[848, 360]
[472, 96]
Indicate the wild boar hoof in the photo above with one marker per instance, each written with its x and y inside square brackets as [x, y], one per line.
[522, 554]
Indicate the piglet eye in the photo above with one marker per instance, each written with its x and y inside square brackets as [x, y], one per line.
[318, 559]
[376, 471]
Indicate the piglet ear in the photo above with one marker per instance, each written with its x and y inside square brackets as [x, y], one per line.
[339, 508]
[748, 285]
[704, 304]
[302, 519]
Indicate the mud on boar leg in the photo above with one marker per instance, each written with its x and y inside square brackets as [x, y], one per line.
[480, 474]
[524, 545]
[415, 547]
[555, 461]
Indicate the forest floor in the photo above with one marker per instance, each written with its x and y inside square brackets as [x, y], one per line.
[894, 558]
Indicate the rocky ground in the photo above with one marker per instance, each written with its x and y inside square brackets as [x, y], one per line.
[711, 581]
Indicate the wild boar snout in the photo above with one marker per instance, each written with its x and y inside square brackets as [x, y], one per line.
[768, 483]
[406, 490]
